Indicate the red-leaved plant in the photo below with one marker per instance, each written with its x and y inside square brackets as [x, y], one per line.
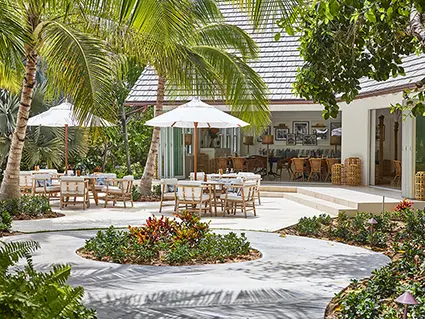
[188, 230]
[404, 205]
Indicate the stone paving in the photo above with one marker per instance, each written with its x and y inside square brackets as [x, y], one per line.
[295, 278]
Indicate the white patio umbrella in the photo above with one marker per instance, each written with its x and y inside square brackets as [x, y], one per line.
[196, 114]
[63, 116]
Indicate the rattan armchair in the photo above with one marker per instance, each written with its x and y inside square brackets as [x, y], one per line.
[243, 197]
[168, 192]
[42, 185]
[299, 168]
[122, 191]
[75, 187]
[315, 168]
[194, 197]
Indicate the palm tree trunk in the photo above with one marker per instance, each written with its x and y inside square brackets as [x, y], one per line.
[148, 173]
[10, 184]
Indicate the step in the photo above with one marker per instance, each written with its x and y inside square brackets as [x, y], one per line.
[363, 202]
[328, 207]
[278, 189]
[327, 197]
[271, 194]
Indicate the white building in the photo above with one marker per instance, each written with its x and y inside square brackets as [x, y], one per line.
[403, 139]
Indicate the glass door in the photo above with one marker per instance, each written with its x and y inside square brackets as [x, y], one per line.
[171, 153]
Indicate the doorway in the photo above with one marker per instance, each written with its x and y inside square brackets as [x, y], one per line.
[386, 148]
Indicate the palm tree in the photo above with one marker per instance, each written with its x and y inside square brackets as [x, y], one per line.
[209, 59]
[76, 63]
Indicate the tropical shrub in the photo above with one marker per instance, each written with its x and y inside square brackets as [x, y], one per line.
[185, 240]
[5, 220]
[27, 293]
[33, 206]
[405, 204]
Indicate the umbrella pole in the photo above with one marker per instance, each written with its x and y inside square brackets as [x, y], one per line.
[195, 149]
[66, 149]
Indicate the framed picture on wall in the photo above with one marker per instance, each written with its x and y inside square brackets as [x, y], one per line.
[281, 134]
[321, 132]
[291, 139]
[300, 128]
[309, 139]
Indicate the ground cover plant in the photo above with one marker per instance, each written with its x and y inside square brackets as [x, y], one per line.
[27, 293]
[401, 236]
[25, 207]
[183, 240]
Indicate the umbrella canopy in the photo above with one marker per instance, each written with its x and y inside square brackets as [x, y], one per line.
[196, 114]
[196, 111]
[63, 116]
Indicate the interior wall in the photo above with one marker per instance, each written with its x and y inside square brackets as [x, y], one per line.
[287, 118]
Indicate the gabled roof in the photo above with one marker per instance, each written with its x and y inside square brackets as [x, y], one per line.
[277, 65]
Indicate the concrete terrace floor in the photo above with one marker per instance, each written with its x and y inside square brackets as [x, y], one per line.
[295, 278]
[272, 214]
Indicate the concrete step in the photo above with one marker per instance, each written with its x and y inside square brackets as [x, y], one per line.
[328, 197]
[271, 194]
[328, 207]
[278, 189]
[360, 201]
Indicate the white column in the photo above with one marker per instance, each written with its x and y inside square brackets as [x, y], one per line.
[408, 154]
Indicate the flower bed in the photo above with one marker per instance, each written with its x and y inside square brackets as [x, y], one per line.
[401, 236]
[165, 241]
[26, 207]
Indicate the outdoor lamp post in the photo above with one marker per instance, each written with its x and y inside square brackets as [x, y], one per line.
[406, 299]
[371, 223]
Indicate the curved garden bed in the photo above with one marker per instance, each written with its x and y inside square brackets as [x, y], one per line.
[164, 241]
[401, 236]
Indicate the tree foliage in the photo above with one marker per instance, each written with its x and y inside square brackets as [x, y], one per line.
[343, 41]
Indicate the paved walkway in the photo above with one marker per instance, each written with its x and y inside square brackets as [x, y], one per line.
[273, 214]
[296, 278]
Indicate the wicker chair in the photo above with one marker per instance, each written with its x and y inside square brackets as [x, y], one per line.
[397, 178]
[122, 191]
[221, 163]
[25, 182]
[42, 185]
[190, 195]
[168, 194]
[284, 164]
[76, 187]
[261, 165]
[298, 168]
[239, 164]
[248, 176]
[315, 168]
[329, 163]
[243, 198]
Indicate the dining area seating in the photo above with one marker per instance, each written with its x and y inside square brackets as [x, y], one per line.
[74, 190]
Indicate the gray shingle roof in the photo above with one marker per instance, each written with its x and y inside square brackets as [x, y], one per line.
[277, 65]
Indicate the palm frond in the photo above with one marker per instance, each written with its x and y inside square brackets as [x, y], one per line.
[244, 90]
[263, 12]
[80, 67]
[11, 253]
[228, 36]
[13, 35]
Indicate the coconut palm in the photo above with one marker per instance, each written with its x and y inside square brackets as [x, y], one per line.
[209, 59]
[76, 63]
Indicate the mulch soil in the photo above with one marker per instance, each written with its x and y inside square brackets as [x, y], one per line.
[253, 255]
